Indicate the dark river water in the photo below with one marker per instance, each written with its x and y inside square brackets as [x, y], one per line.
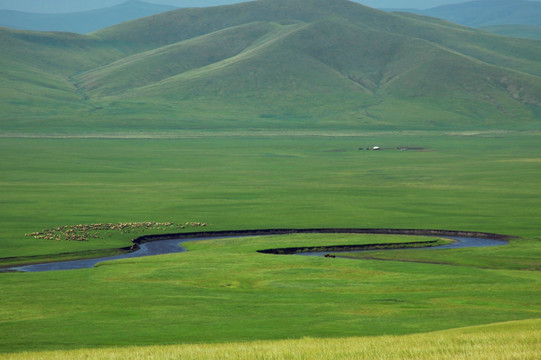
[171, 246]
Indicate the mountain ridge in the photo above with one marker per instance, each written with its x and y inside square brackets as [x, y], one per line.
[271, 63]
[480, 13]
[81, 22]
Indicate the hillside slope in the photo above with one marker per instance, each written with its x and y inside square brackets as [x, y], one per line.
[317, 64]
[519, 31]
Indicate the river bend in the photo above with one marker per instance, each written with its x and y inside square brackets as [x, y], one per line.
[151, 245]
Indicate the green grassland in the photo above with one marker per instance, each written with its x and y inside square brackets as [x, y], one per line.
[485, 182]
[503, 341]
[251, 116]
[223, 290]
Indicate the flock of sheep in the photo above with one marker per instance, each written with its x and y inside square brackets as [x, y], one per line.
[83, 232]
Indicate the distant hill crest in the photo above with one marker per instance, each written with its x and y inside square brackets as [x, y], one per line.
[481, 13]
[81, 22]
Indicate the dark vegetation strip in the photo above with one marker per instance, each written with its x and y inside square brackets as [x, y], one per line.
[342, 248]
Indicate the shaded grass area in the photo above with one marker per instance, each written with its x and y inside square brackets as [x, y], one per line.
[503, 341]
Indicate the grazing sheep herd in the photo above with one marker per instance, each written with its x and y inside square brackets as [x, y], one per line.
[84, 232]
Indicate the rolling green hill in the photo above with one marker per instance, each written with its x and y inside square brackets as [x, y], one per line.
[318, 64]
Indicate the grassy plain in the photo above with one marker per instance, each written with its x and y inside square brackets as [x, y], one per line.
[503, 341]
[222, 290]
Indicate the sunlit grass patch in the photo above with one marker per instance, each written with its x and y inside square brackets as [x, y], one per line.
[504, 341]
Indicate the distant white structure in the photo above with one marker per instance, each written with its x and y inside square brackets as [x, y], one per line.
[376, 148]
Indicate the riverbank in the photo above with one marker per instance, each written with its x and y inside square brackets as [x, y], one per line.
[149, 245]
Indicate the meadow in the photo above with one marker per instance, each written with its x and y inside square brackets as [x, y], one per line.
[223, 291]
[505, 341]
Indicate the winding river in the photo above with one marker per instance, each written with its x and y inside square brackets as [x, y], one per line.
[157, 245]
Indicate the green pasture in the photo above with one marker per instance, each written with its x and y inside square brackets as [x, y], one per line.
[487, 182]
[223, 290]
[501, 341]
